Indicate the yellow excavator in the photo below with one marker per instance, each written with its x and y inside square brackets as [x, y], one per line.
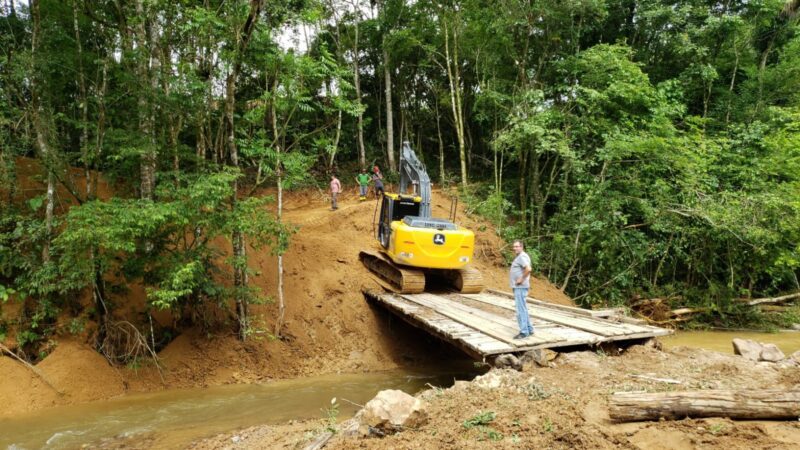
[413, 244]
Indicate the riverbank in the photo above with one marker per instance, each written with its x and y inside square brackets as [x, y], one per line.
[566, 406]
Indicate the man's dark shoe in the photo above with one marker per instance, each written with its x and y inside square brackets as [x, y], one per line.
[521, 336]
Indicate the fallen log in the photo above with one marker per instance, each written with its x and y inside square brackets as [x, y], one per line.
[774, 308]
[751, 404]
[772, 300]
[659, 380]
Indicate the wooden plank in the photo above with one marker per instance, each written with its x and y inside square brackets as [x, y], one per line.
[586, 323]
[573, 309]
[506, 322]
[503, 333]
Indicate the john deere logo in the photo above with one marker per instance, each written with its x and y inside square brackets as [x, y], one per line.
[438, 239]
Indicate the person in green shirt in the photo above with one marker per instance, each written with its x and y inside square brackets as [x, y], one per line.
[363, 183]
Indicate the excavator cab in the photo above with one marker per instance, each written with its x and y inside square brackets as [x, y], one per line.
[424, 242]
[393, 208]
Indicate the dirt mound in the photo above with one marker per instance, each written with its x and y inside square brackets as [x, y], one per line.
[78, 372]
[81, 373]
[21, 390]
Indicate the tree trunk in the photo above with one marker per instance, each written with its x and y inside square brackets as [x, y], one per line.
[441, 145]
[41, 128]
[84, 103]
[771, 404]
[101, 126]
[387, 75]
[279, 172]
[336, 141]
[453, 76]
[147, 167]
[237, 237]
[362, 156]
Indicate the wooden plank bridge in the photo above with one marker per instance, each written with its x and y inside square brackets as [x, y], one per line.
[485, 324]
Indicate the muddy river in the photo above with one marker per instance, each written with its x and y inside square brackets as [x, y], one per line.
[176, 418]
[720, 341]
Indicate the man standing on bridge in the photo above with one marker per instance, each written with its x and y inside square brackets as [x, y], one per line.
[520, 276]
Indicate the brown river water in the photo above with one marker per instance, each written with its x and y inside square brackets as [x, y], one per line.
[176, 418]
[720, 341]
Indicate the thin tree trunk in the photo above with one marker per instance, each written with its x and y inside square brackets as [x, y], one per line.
[240, 277]
[575, 259]
[362, 155]
[523, 183]
[237, 238]
[41, 128]
[336, 140]
[84, 103]
[387, 75]
[441, 145]
[144, 43]
[101, 125]
[733, 82]
[279, 172]
[453, 76]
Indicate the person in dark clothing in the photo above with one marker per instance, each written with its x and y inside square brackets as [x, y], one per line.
[377, 180]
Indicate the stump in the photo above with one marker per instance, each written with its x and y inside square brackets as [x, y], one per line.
[746, 404]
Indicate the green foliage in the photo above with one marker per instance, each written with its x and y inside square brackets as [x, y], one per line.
[167, 245]
[547, 425]
[332, 416]
[482, 418]
[480, 422]
[5, 293]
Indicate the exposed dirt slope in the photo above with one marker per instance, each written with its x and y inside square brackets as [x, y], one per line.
[329, 326]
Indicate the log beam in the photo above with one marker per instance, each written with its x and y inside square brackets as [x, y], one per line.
[773, 404]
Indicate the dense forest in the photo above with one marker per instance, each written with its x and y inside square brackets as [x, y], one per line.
[640, 148]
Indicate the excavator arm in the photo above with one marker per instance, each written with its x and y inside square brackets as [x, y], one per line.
[412, 172]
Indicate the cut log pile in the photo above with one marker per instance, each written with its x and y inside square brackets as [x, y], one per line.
[771, 404]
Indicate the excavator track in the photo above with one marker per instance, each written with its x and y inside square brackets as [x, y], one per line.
[401, 280]
[466, 281]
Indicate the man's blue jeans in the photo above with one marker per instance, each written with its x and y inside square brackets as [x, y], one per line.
[523, 319]
[363, 188]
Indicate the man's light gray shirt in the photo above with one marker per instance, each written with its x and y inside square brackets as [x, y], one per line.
[518, 269]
